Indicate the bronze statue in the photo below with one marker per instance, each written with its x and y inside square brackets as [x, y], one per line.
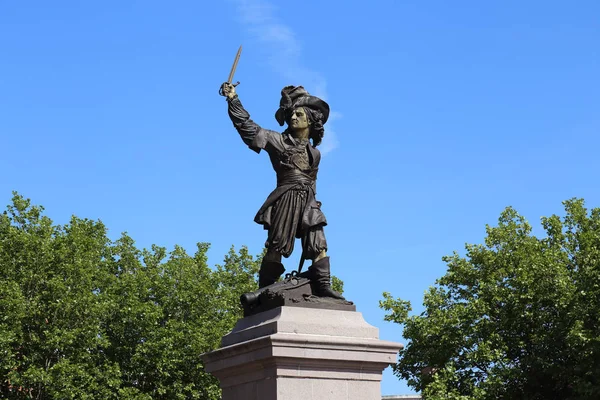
[291, 211]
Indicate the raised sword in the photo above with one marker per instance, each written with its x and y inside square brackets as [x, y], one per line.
[233, 68]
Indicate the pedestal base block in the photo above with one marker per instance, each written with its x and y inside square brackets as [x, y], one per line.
[297, 353]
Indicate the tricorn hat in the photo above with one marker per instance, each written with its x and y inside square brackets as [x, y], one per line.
[296, 96]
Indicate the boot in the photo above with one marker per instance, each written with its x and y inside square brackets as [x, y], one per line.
[269, 272]
[321, 279]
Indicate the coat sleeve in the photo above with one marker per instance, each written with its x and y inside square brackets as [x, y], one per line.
[250, 132]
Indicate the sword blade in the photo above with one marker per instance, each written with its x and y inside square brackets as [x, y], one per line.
[235, 63]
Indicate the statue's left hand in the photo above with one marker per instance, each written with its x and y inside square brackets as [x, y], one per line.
[227, 90]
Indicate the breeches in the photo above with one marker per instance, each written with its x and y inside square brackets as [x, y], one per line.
[286, 226]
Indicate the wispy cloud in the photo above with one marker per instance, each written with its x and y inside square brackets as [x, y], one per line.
[284, 51]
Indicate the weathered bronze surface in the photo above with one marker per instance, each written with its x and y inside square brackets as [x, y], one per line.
[291, 211]
[295, 290]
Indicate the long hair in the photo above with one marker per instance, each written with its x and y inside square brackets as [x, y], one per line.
[316, 130]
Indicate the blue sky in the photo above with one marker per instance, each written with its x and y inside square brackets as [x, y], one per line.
[443, 113]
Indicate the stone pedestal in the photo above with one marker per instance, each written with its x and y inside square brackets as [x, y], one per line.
[294, 353]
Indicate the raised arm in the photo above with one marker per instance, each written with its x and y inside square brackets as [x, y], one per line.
[247, 128]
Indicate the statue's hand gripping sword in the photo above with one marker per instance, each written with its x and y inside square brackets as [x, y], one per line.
[233, 68]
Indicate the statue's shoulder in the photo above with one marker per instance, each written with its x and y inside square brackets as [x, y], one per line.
[269, 140]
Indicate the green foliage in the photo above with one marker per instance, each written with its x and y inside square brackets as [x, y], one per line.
[337, 284]
[83, 317]
[517, 318]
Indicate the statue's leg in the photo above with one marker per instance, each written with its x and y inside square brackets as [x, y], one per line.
[322, 254]
[315, 247]
[273, 255]
[320, 277]
[271, 268]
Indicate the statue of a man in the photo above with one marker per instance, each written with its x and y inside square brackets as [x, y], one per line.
[291, 211]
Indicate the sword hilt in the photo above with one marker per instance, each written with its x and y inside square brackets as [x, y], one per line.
[222, 92]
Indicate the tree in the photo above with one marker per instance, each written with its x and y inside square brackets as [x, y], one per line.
[517, 318]
[83, 317]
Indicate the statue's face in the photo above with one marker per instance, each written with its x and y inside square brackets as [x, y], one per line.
[299, 119]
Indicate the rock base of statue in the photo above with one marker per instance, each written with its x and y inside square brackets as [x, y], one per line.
[292, 291]
[297, 353]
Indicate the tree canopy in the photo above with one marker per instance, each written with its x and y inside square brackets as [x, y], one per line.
[85, 317]
[517, 317]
